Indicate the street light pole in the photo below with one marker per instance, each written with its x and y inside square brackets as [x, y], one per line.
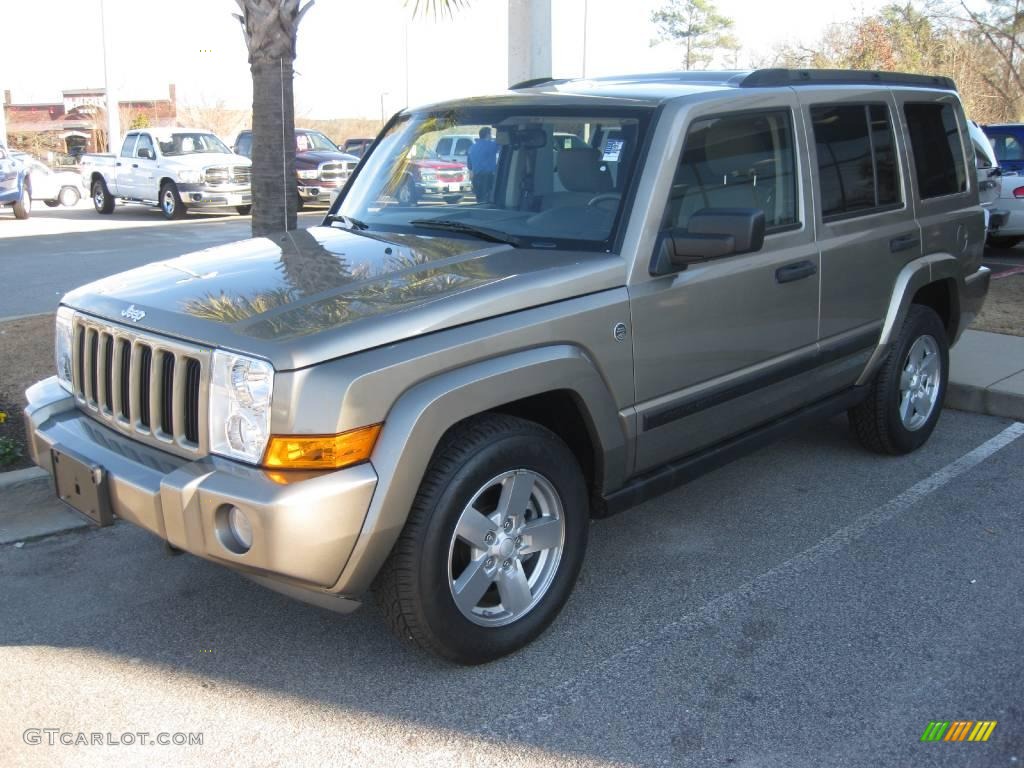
[113, 115]
[383, 118]
[585, 8]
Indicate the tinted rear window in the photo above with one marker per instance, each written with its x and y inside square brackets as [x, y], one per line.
[937, 149]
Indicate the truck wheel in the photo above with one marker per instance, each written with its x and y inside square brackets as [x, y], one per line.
[301, 204]
[493, 543]
[23, 208]
[243, 210]
[101, 199]
[51, 203]
[69, 197]
[905, 399]
[170, 201]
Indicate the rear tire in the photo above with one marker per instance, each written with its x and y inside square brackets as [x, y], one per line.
[500, 519]
[101, 199]
[243, 210]
[171, 205]
[905, 399]
[51, 203]
[23, 208]
[69, 197]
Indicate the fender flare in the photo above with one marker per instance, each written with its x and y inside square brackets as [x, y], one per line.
[422, 414]
[914, 276]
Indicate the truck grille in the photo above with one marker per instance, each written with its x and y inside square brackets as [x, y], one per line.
[449, 176]
[145, 386]
[235, 175]
[336, 171]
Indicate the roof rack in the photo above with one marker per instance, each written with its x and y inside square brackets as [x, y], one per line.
[768, 78]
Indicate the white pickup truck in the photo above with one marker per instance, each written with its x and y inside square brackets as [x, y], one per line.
[173, 168]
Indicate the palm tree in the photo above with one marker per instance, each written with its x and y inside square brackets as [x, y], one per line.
[270, 28]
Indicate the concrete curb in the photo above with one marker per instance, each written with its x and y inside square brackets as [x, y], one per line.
[29, 509]
[21, 476]
[987, 375]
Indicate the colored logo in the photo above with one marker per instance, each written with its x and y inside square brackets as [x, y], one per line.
[958, 730]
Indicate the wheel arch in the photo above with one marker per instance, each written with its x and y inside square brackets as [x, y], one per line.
[528, 383]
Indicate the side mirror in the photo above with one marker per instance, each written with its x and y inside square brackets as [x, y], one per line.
[145, 153]
[711, 234]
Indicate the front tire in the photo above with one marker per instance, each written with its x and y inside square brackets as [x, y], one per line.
[171, 205]
[905, 399]
[493, 543]
[243, 210]
[23, 208]
[101, 199]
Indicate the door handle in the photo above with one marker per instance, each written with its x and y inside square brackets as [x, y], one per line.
[796, 271]
[135, 165]
[904, 243]
[117, 164]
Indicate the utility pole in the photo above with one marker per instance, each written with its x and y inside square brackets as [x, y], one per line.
[3, 116]
[529, 40]
[586, 3]
[113, 109]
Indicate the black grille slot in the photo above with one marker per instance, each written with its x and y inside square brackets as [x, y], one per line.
[167, 396]
[81, 361]
[145, 364]
[108, 373]
[192, 400]
[126, 377]
[94, 364]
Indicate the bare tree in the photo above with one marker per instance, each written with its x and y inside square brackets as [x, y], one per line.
[216, 116]
[698, 27]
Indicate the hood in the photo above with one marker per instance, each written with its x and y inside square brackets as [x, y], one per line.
[203, 160]
[305, 296]
[315, 157]
[438, 165]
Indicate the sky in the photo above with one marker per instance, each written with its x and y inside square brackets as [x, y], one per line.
[354, 54]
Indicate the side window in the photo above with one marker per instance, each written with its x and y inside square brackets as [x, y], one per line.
[443, 146]
[857, 167]
[145, 142]
[244, 145]
[737, 161]
[128, 148]
[937, 149]
[462, 147]
[1006, 147]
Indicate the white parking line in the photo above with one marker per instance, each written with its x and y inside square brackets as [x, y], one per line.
[571, 691]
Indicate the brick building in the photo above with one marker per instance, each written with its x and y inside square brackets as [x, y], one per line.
[77, 123]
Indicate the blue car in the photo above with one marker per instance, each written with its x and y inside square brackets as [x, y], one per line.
[15, 187]
[1008, 143]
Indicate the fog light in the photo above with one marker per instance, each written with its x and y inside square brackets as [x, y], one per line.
[234, 529]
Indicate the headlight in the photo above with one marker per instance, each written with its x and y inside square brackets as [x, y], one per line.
[63, 344]
[310, 174]
[190, 177]
[241, 389]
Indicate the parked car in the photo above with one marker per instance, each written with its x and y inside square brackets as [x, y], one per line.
[1008, 144]
[176, 169]
[357, 147]
[54, 187]
[320, 166]
[434, 403]
[987, 168]
[15, 184]
[427, 177]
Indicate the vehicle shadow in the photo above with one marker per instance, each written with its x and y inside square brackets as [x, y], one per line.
[115, 591]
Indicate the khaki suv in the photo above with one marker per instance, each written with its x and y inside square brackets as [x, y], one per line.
[433, 401]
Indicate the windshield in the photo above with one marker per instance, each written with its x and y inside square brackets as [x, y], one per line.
[310, 141]
[190, 144]
[538, 177]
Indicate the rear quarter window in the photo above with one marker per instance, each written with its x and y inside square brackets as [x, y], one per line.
[937, 149]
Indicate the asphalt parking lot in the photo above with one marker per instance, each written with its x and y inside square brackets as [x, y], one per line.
[809, 605]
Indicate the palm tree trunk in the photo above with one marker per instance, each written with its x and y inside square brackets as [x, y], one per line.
[274, 188]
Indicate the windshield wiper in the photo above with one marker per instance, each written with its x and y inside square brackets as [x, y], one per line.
[348, 221]
[484, 233]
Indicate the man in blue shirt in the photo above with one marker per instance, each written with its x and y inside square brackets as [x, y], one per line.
[483, 164]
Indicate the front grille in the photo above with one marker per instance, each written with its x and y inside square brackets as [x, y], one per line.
[448, 176]
[336, 171]
[143, 385]
[225, 175]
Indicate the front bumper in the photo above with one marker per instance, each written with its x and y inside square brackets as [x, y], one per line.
[443, 189]
[303, 532]
[205, 196]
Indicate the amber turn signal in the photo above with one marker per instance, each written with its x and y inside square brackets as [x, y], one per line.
[321, 451]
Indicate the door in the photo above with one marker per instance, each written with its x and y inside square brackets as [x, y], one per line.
[143, 169]
[866, 227]
[720, 346]
[8, 177]
[123, 172]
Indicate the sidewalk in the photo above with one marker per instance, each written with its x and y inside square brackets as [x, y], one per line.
[986, 376]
